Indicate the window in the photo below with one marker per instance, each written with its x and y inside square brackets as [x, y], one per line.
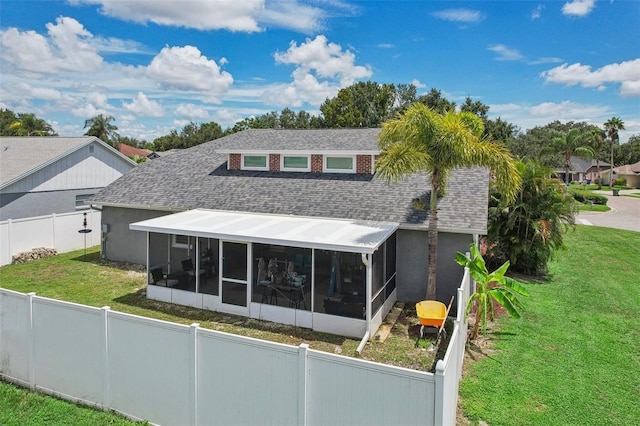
[295, 163]
[339, 164]
[80, 199]
[180, 241]
[254, 162]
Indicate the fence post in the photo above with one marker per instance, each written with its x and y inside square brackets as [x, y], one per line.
[302, 383]
[106, 374]
[193, 356]
[440, 398]
[32, 344]
[53, 230]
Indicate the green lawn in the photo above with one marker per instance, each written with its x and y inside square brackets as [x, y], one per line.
[19, 407]
[573, 358]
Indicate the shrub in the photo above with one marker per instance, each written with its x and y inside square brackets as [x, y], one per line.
[619, 182]
[585, 196]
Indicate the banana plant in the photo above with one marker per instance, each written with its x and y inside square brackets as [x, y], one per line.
[490, 287]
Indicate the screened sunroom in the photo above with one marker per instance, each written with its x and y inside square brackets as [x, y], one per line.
[331, 275]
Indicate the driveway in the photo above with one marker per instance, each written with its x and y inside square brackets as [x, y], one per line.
[624, 214]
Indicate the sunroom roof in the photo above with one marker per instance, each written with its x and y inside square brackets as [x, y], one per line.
[356, 236]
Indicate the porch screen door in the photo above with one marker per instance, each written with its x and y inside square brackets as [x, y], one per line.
[234, 277]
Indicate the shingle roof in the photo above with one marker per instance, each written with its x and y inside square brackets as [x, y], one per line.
[296, 139]
[198, 178]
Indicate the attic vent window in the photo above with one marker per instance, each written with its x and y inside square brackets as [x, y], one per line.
[254, 162]
[292, 163]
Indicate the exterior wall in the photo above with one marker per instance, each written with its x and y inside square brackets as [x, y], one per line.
[22, 205]
[413, 264]
[274, 162]
[316, 163]
[363, 164]
[234, 161]
[121, 243]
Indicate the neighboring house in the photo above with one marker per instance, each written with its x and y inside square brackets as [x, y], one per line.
[583, 170]
[44, 175]
[290, 226]
[629, 172]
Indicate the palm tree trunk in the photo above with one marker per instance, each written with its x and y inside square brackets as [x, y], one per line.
[433, 236]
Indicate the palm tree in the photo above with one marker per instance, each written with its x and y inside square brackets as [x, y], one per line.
[569, 144]
[100, 126]
[597, 143]
[30, 125]
[611, 127]
[424, 140]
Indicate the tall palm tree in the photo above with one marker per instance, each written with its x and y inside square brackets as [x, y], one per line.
[569, 144]
[424, 140]
[597, 143]
[30, 125]
[611, 127]
[100, 126]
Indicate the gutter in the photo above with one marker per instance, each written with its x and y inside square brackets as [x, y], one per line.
[367, 333]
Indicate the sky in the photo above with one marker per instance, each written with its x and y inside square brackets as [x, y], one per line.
[156, 65]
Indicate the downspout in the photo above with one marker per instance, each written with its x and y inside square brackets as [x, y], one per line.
[367, 333]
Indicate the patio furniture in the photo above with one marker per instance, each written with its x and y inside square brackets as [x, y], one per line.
[187, 267]
[159, 278]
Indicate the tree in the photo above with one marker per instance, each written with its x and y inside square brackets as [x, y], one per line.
[611, 127]
[363, 104]
[596, 139]
[477, 108]
[424, 140]
[101, 127]
[569, 144]
[630, 151]
[528, 230]
[490, 287]
[436, 102]
[27, 124]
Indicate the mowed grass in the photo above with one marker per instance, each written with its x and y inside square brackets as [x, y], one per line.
[574, 356]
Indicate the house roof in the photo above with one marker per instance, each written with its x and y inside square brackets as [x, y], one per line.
[21, 156]
[302, 140]
[628, 169]
[198, 178]
[581, 165]
[132, 150]
[355, 236]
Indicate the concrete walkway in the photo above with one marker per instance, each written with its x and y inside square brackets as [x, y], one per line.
[624, 214]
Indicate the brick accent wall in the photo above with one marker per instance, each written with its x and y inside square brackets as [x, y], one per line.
[234, 161]
[274, 162]
[363, 164]
[316, 163]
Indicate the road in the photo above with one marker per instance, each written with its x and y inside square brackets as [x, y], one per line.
[624, 214]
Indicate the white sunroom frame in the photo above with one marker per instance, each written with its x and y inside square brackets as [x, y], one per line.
[353, 236]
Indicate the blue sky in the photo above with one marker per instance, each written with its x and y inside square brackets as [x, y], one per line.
[157, 65]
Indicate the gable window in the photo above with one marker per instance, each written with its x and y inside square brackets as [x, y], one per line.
[295, 163]
[80, 199]
[254, 162]
[335, 164]
[180, 241]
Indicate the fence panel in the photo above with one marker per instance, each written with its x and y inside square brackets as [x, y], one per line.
[15, 336]
[58, 231]
[345, 391]
[68, 349]
[150, 369]
[259, 377]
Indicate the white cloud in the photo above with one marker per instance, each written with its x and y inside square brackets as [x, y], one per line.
[566, 111]
[67, 48]
[505, 53]
[293, 15]
[98, 99]
[545, 60]
[322, 68]
[327, 60]
[578, 7]
[418, 84]
[191, 111]
[185, 68]
[627, 74]
[386, 45]
[201, 15]
[141, 105]
[459, 15]
[537, 12]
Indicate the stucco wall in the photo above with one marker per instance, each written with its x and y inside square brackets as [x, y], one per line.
[121, 243]
[413, 263]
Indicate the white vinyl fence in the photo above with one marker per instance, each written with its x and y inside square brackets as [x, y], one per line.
[171, 374]
[58, 231]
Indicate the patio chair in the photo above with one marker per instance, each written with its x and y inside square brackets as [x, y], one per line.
[187, 267]
[158, 278]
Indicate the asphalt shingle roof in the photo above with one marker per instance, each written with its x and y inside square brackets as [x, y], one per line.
[198, 178]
